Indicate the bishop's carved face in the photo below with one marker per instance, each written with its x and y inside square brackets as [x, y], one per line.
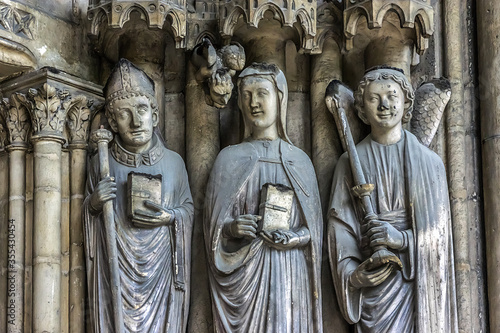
[259, 102]
[134, 121]
[383, 104]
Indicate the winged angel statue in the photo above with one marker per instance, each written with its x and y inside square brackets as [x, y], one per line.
[389, 230]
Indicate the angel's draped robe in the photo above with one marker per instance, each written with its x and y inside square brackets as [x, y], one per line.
[412, 194]
[256, 288]
[154, 297]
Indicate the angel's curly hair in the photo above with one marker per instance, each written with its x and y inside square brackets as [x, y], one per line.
[385, 73]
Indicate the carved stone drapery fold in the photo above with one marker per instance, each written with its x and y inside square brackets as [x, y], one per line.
[415, 14]
[287, 12]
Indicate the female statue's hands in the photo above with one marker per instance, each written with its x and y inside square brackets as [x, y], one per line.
[366, 276]
[244, 226]
[286, 239]
[383, 233]
[104, 191]
[156, 216]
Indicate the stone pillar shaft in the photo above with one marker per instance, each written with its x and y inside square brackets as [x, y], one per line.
[326, 149]
[77, 258]
[457, 158]
[4, 204]
[488, 12]
[47, 235]
[202, 147]
[16, 233]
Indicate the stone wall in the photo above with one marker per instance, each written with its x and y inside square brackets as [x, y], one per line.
[62, 51]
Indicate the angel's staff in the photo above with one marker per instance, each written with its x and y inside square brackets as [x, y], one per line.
[102, 137]
[381, 255]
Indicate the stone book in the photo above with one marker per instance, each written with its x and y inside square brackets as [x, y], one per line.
[141, 187]
[275, 207]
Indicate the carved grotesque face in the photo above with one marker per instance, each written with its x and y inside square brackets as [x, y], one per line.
[383, 104]
[134, 121]
[220, 90]
[259, 102]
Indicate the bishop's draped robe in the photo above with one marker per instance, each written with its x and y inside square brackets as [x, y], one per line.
[411, 193]
[154, 263]
[256, 288]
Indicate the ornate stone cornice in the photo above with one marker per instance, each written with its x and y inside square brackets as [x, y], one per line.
[16, 116]
[329, 25]
[287, 12]
[47, 110]
[414, 14]
[117, 12]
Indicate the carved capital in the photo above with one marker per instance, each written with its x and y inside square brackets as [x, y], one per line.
[78, 118]
[3, 132]
[47, 110]
[16, 116]
[287, 12]
[413, 14]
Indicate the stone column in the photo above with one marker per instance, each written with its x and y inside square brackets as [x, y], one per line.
[488, 19]
[65, 239]
[4, 202]
[28, 250]
[48, 118]
[78, 124]
[326, 149]
[17, 121]
[457, 158]
[202, 147]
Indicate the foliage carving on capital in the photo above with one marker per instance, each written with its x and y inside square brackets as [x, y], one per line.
[78, 118]
[3, 131]
[47, 111]
[16, 117]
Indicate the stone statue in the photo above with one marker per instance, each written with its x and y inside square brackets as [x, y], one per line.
[412, 219]
[153, 213]
[216, 68]
[262, 221]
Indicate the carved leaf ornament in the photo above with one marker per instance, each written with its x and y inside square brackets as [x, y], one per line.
[47, 111]
[78, 117]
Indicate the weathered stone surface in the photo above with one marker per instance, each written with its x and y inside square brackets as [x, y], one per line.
[73, 45]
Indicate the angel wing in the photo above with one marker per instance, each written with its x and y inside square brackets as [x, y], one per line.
[431, 99]
[343, 97]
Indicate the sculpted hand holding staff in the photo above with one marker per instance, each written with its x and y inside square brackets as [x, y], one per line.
[410, 200]
[262, 222]
[152, 209]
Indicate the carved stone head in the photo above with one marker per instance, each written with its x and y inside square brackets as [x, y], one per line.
[385, 74]
[220, 87]
[131, 108]
[273, 74]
